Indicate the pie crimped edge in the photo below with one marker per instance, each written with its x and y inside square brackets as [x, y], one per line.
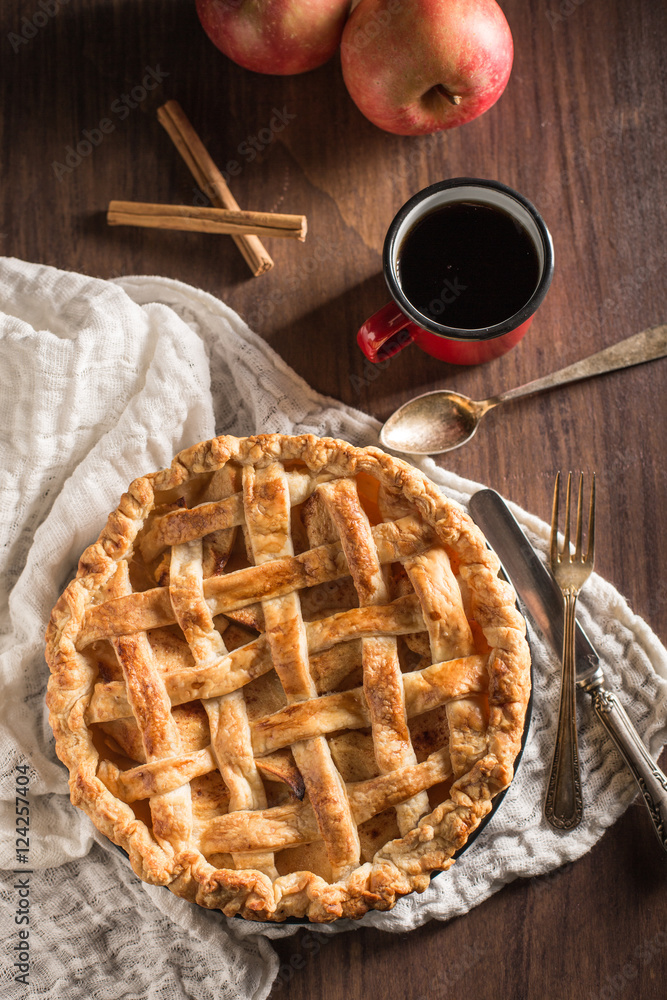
[402, 865]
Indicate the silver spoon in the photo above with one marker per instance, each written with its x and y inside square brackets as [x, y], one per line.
[443, 420]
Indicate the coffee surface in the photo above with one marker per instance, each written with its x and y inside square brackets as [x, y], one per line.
[468, 265]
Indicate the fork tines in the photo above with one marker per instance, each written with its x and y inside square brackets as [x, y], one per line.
[555, 556]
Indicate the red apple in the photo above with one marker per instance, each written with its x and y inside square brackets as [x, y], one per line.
[418, 66]
[275, 36]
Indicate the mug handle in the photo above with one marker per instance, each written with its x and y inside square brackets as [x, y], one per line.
[379, 337]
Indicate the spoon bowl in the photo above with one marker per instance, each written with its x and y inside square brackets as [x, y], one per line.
[432, 423]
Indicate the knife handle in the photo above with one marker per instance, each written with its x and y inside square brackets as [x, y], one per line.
[651, 780]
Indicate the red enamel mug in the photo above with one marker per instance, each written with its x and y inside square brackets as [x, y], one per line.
[402, 322]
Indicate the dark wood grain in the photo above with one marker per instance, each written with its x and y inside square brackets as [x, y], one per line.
[580, 131]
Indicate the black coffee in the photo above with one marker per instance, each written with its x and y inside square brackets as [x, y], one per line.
[468, 265]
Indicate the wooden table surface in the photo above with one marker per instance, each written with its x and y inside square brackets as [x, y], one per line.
[580, 131]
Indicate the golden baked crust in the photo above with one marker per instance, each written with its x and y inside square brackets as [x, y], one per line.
[314, 708]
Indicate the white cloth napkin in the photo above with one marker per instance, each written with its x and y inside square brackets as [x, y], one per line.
[102, 381]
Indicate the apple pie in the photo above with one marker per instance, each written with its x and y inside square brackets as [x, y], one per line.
[287, 679]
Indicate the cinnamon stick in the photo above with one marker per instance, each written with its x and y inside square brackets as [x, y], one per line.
[206, 220]
[210, 180]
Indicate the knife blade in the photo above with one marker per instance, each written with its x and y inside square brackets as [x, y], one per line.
[541, 596]
[535, 586]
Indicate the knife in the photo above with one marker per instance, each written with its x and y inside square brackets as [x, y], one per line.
[542, 598]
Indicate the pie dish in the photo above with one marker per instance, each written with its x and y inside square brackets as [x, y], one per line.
[287, 679]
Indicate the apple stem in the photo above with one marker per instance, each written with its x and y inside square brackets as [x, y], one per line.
[442, 90]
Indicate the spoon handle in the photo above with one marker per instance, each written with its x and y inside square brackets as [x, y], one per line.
[645, 346]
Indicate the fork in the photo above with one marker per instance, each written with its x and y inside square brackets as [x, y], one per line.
[563, 806]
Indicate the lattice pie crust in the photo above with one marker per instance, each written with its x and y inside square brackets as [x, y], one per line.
[287, 679]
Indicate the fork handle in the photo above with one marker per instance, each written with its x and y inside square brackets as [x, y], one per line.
[563, 806]
[651, 780]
